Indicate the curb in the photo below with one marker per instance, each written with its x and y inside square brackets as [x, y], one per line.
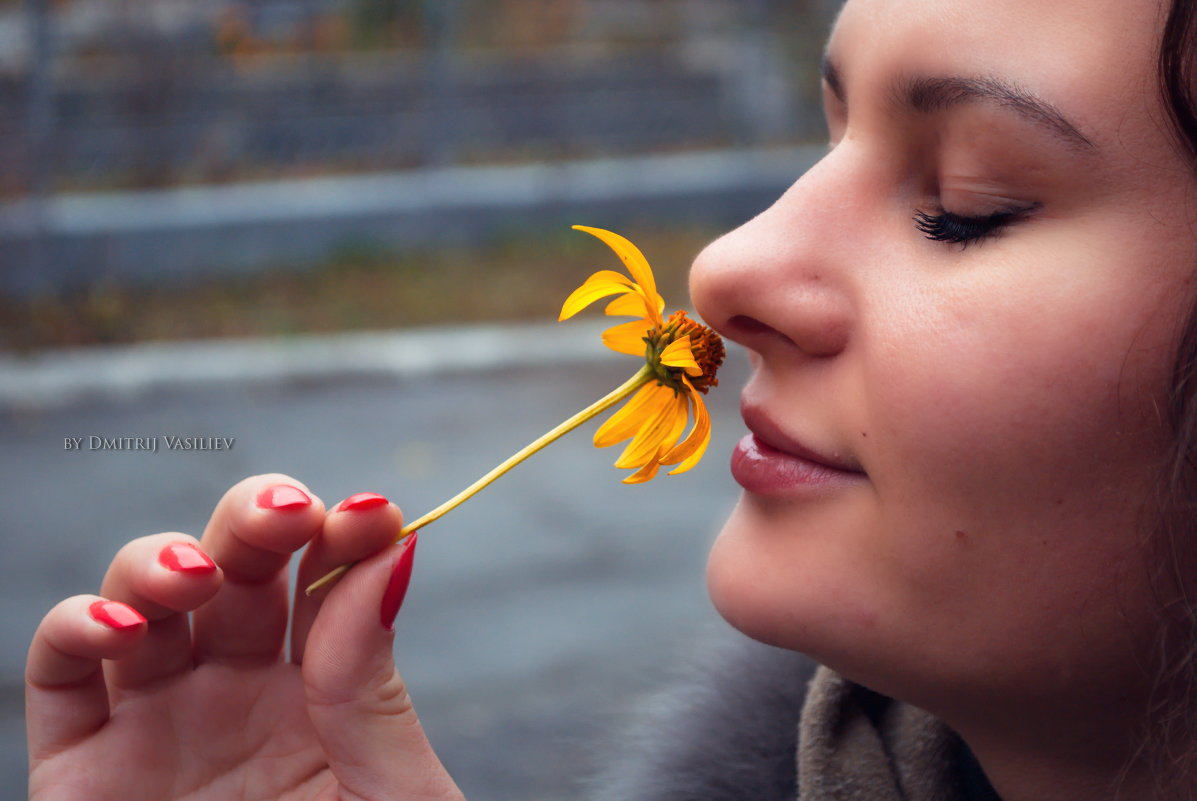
[52, 379]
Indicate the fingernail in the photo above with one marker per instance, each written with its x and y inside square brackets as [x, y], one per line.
[392, 599]
[362, 501]
[115, 614]
[183, 557]
[283, 497]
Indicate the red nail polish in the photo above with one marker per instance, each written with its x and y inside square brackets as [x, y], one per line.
[283, 497]
[115, 614]
[361, 502]
[183, 557]
[392, 599]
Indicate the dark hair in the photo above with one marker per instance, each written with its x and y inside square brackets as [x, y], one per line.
[1175, 700]
[1176, 69]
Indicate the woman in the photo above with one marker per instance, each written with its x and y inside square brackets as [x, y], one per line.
[964, 323]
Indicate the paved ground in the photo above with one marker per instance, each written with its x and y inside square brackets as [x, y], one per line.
[539, 612]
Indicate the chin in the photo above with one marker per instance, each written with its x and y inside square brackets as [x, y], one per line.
[727, 594]
[799, 593]
[748, 586]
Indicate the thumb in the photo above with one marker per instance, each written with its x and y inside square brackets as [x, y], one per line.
[358, 702]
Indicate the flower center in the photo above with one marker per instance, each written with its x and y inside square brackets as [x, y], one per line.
[705, 344]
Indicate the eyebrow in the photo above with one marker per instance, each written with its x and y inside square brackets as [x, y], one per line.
[930, 94]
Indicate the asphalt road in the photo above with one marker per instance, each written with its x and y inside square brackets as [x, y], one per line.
[540, 614]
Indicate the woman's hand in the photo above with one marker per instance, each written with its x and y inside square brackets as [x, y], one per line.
[210, 709]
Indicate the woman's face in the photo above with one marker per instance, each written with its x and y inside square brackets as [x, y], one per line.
[986, 405]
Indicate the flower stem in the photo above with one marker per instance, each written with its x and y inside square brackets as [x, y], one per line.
[642, 377]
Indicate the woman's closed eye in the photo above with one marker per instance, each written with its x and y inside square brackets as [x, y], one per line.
[946, 226]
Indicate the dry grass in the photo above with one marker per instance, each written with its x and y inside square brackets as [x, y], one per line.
[516, 278]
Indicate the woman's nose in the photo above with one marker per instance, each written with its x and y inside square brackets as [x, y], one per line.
[779, 283]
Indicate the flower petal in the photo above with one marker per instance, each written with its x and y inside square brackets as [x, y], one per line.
[680, 419]
[669, 420]
[695, 457]
[629, 305]
[634, 260]
[627, 337]
[690, 450]
[648, 437]
[678, 354]
[633, 414]
[599, 285]
[646, 473]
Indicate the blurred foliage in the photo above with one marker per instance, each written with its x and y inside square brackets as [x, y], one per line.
[361, 286]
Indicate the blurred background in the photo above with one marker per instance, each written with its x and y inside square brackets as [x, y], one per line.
[338, 230]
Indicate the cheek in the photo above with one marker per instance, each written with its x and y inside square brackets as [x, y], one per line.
[1043, 395]
[1017, 438]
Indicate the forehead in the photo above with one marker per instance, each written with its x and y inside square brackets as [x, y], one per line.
[1094, 59]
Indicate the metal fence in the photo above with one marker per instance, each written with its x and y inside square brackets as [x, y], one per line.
[101, 95]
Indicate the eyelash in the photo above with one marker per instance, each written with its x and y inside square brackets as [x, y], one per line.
[945, 226]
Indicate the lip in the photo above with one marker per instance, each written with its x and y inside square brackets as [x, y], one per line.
[769, 461]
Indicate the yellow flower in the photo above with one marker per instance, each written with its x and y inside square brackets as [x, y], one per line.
[681, 359]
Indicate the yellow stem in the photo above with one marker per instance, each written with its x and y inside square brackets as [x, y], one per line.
[598, 407]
